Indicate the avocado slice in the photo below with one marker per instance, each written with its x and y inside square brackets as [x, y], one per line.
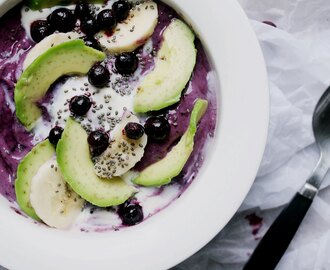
[40, 4]
[27, 168]
[174, 65]
[73, 158]
[162, 172]
[72, 57]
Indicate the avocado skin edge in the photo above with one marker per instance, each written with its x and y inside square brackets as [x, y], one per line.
[40, 154]
[174, 66]
[75, 163]
[163, 171]
[34, 83]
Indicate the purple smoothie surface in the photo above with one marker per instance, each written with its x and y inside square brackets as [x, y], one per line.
[16, 142]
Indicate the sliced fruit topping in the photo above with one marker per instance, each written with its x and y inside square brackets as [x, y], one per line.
[98, 76]
[130, 213]
[82, 10]
[53, 200]
[123, 153]
[134, 130]
[162, 172]
[27, 168]
[126, 63]
[133, 32]
[55, 135]
[106, 20]
[40, 4]
[47, 43]
[121, 10]
[76, 165]
[40, 29]
[157, 128]
[62, 19]
[174, 65]
[80, 105]
[89, 26]
[98, 141]
[71, 57]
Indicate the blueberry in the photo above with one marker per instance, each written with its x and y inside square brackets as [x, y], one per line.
[89, 26]
[62, 19]
[134, 131]
[80, 105]
[98, 75]
[92, 42]
[126, 63]
[40, 29]
[106, 19]
[55, 135]
[83, 10]
[157, 128]
[130, 213]
[98, 141]
[121, 10]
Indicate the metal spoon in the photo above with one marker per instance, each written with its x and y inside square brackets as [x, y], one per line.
[277, 239]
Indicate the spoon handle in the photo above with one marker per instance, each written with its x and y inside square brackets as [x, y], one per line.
[277, 239]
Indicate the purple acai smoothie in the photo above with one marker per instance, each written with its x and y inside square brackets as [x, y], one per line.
[16, 142]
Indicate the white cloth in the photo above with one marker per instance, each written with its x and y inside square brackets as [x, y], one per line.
[297, 55]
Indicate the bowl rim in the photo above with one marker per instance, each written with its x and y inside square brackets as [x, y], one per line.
[222, 184]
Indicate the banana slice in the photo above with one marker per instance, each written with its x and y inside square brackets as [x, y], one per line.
[47, 43]
[52, 199]
[122, 153]
[133, 32]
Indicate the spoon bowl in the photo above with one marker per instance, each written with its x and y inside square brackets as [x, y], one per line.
[321, 125]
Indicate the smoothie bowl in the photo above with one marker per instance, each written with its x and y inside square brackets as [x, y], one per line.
[109, 112]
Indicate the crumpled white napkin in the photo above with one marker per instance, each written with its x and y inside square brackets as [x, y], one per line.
[297, 55]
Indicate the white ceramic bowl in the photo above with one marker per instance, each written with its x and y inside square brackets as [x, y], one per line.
[204, 209]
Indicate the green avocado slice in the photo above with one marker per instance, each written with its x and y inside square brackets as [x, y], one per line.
[75, 163]
[162, 172]
[72, 57]
[27, 168]
[40, 4]
[174, 65]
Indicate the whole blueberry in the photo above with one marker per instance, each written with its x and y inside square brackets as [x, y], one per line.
[80, 105]
[126, 63]
[40, 29]
[157, 128]
[89, 26]
[134, 130]
[83, 10]
[106, 19]
[55, 135]
[92, 42]
[62, 19]
[98, 141]
[98, 75]
[121, 10]
[130, 213]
